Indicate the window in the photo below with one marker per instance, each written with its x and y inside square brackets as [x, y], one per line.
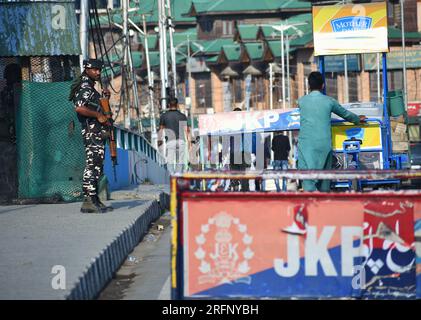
[277, 91]
[331, 80]
[180, 92]
[374, 95]
[237, 90]
[113, 4]
[307, 71]
[353, 86]
[227, 27]
[203, 90]
[259, 89]
[207, 25]
[394, 81]
[390, 9]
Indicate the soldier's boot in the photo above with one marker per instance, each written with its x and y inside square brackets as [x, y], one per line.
[103, 207]
[89, 205]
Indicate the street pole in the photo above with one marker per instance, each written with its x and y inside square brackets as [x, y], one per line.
[379, 94]
[346, 89]
[125, 96]
[162, 54]
[288, 76]
[271, 85]
[172, 50]
[83, 31]
[405, 94]
[289, 91]
[150, 88]
[346, 93]
[189, 84]
[134, 79]
[135, 91]
[283, 68]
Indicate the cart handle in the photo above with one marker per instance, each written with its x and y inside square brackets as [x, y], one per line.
[334, 121]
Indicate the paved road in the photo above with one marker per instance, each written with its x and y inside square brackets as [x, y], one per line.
[87, 248]
[145, 275]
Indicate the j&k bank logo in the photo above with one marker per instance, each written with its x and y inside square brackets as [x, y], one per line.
[224, 250]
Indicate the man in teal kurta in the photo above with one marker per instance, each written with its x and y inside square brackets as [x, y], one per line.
[315, 138]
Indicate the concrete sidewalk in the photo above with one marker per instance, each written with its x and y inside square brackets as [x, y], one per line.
[36, 238]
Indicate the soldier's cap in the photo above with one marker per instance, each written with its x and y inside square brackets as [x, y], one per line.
[93, 63]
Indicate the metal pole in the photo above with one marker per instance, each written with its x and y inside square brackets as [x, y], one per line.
[83, 32]
[133, 77]
[346, 89]
[271, 85]
[388, 141]
[173, 59]
[289, 91]
[126, 107]
[189, 85]
[165, 49]
[150, 87]
[135, 90]
[288, 76]
[162, 55]
[379, 94]
[405, 93]
[154, 134]
[322, 71]
[283, 68]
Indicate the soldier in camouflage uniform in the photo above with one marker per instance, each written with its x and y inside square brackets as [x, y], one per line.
[94, 133]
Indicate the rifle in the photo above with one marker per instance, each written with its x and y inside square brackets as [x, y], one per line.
[106, 110]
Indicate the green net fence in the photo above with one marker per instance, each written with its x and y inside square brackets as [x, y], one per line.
[50, 147]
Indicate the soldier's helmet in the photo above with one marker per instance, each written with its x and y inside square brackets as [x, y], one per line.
[93, 63]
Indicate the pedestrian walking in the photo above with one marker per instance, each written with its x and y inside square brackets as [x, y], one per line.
[94, 132]
[281, 148]
[174, 130]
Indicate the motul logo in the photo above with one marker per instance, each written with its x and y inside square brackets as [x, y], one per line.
[351, 24]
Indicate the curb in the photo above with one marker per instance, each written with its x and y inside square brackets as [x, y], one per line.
[102, 268]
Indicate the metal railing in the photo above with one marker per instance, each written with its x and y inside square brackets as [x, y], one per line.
[139, 143]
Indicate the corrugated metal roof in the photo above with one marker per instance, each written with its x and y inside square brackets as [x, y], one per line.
[150, 8]
[214, 46]
[152, 40]
[212, 59]
[232, 52]
[179, 37]
[229, 6]
[302, 41]
[247, 31]
[38, 29]
[275, 48]
[255, 50]
[395, 33]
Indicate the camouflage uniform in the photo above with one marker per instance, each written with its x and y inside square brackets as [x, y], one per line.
[93, 133]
